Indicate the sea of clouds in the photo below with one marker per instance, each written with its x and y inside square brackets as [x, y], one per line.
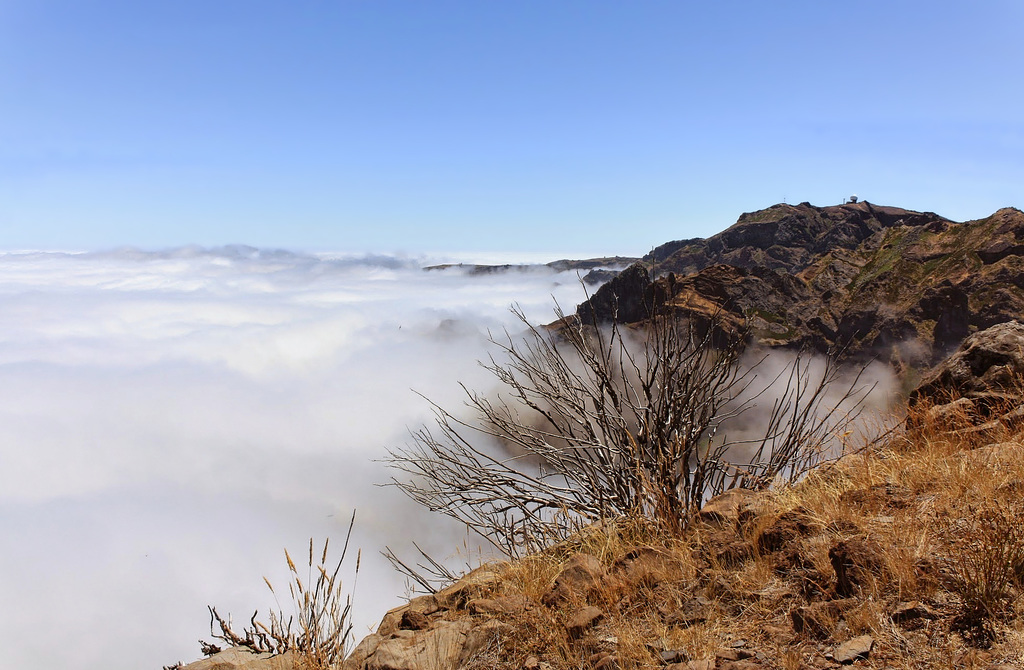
[171, 421]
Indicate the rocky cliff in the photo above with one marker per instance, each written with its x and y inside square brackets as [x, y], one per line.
[892, 283]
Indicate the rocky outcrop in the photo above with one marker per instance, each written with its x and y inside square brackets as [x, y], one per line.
[441, 630]
[626, 298]
[988, 364]
[978, 387]
[241, 658]
[444, 644]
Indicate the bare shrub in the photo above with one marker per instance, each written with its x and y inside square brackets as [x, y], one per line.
[320, 628]
[601, 422]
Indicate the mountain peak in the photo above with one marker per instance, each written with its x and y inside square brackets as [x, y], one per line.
[898, 284]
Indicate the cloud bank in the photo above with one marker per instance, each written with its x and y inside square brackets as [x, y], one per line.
[170, 421]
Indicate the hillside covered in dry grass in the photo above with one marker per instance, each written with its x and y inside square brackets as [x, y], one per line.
[907, 555]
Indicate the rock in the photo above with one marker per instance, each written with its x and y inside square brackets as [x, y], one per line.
[851, 650]
[583, 620]
[356, 660]
[987, 362]
[911, 611]
[241, 658]
[447, 644]
[439, 647]
[477, 583]
[646, 566]
[582, 577]
[600, 276]
[856, 562]
[392, 620]
[953, 415]
[998, 456]
[725, 509]
[733, 654]
[671, 656]
[413, 620]
[624, 299]
[512, 604]
[481, 640]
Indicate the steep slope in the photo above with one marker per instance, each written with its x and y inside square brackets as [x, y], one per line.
[908, 555]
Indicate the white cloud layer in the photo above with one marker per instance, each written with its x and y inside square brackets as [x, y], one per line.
[170, 421]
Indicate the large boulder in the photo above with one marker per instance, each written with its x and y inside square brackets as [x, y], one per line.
[979, 387]
[988, 364]
[446, 629]
[241, 658]
[445, 644]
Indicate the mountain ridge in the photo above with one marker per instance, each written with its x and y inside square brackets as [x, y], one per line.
[881, 281]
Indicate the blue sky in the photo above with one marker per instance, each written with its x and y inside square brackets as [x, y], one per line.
[597, 127]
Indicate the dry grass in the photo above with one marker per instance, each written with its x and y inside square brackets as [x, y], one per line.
[318, 631]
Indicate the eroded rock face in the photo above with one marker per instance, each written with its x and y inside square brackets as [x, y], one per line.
[439, 647]
[881, 282]
[978, 388]
[444, 644]
[446, 629]
[240, 658]
[625, 299]
[988, 362]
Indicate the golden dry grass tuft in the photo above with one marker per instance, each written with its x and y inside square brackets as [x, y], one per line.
[319, 629]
